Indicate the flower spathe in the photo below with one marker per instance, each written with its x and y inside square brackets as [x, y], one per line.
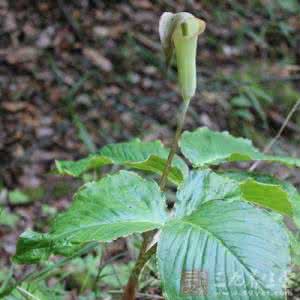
[179, 32]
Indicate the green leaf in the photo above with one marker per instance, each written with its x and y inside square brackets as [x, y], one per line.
[83, 134]
[147, 156]
[292, 193]
[206, 147]
[291, 6]
[27, 253]
[243, 114]
[108, 275]
[224, 250]
[294, 197]
[25, 196]
[267, 195]
[261, 93]
[37, 292]
[256, 104]
[204, 185]
[240, 101]
[110, 208]
[115, 206]
[33, 247]
[7, 218]
[18, 197]
[295, 248]
[7, 282]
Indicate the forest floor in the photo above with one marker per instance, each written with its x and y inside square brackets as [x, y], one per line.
[76, 75]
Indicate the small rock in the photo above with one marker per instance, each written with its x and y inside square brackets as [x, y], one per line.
[44, 132]
[230, 51]
[83, 99]
[45, 38]
[206, 120]
[100, 31]
[150, 70]
[147, 83]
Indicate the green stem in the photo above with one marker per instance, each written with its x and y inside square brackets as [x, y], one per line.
[145, 255]
[180, 123]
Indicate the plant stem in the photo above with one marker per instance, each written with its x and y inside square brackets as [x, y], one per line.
[181, 119]
[145, 255]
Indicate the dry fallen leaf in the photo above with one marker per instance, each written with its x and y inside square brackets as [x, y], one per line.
[21, 55]
[10, 23]
[144, 4]
[13, 106]
[97, 59]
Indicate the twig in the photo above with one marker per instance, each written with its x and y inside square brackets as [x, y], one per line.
[149, 43]
[286, 121]
[26, 293]
[277, 118]
[150, 296]
[277, 136]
